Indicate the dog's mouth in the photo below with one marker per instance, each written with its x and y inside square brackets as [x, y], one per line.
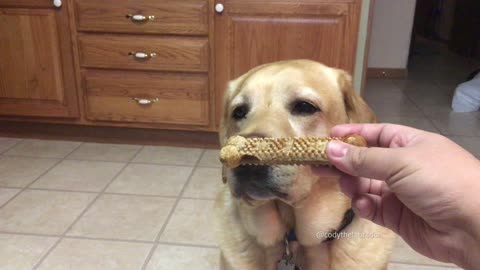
[255, 183]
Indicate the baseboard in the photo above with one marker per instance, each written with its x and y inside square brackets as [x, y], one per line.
[391, 73]
[109, 134]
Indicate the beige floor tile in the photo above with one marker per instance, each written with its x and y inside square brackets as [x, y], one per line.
[7, 143]
[150, 179]
[384, 96]
[79, 175]
[183, 258]
[415, 122]
[430, 96]
[43, 212]
[397, 266]
[458, 125]
[22, 252]
[191, 223]
[80, 254]
[6, 194]
[20, 171]
[105, 152]
[452, 123]
[398, 109]
[205, 183]
[43, 148]
[210, 159]
[403, 253]
[124, 217]
[167, 155]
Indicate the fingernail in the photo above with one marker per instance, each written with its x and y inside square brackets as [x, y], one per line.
[336, 149]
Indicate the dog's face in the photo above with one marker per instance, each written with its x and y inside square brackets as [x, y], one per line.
[296, 98]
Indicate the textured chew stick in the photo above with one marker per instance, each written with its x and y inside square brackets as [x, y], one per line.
[280, 151]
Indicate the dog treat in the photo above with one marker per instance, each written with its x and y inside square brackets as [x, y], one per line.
[280, 151]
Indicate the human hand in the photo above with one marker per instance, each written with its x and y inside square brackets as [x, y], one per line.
[427, 189]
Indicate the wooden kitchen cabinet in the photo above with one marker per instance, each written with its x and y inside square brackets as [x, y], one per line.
[158, 64]
[249, 33]
[36, 61]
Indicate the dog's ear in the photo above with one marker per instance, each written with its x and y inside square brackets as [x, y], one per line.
[225, 115]
[357, 109]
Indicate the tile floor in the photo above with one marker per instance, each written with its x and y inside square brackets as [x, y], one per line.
[77, 206]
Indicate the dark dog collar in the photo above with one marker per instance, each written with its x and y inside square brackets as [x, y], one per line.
[347, 220]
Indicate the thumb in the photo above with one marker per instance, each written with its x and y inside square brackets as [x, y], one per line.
[377, 163]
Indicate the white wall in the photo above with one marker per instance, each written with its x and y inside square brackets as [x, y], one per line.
[361, 46]
[391, 33]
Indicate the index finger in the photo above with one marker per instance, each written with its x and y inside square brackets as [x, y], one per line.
[377, 135]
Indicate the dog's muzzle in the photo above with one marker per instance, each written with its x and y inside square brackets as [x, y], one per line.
[255, 183]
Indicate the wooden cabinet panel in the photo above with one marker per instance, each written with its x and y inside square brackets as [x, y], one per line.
[182, 98]
[251, 33]
[171, 16]
[36, 69]
[26, 3]
[172, 53]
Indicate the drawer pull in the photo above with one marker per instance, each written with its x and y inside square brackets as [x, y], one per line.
[145, 101]
[57, 3]
[142, 55]
[140, 18]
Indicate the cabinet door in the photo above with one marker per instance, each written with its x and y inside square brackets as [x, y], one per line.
[249, 33]
[36, 64]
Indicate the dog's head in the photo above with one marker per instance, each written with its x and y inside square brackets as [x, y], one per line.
[295, 98]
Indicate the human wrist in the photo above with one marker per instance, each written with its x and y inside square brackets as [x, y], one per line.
[468, 253]
[468, 257]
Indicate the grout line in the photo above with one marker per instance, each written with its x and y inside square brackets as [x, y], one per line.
[433, 266]
[109, 161]
[33, 181]
[186, 245]
[113, 193]
[76, 148]
[198, 199]
[30, 157]
[11, 147]
[89, 205]
[30, 234]
[170, 214]
[422, 112]
[141, 195]
[108, 239]
[64, 190]
[40, 176]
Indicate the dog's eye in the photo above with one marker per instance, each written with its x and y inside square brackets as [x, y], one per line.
[304, 108]
[240, 112]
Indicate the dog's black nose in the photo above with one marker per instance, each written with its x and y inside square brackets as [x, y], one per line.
[252, 173]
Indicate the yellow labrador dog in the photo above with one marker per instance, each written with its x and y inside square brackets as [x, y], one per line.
[265, 213]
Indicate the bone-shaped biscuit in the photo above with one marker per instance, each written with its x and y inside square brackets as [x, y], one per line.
[280, 151]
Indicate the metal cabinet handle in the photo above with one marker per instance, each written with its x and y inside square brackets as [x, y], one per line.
[140, 18]
[145, 101]
[57, 3]
[142, 55]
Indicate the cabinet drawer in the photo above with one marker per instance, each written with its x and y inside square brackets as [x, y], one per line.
[171, 53]
[177, 99]
[170, 16]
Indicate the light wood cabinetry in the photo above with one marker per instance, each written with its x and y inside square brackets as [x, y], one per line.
[250, 33]
[160, 64]
[36, 62]
[145, 62]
